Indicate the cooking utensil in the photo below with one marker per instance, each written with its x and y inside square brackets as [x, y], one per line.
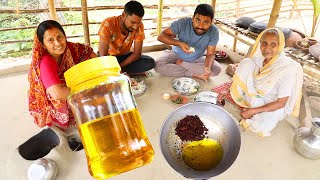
[42, 169]
[185, 86]
[206, 96]
[221, 127]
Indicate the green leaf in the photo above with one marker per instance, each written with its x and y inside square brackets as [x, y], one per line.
[316, 7]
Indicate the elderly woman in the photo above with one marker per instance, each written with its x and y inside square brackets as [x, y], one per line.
[268, 84]
[52, 56]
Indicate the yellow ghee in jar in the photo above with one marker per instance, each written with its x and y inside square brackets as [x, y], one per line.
[202, 155]
[115, 144]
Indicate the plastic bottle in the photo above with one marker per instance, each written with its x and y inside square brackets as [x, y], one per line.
[107, 117]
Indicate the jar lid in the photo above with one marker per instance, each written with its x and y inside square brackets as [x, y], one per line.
[91, 68]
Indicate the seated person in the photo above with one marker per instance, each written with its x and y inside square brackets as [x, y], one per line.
[194, 43]
[117, 34]
[52, 56]
[267, 85]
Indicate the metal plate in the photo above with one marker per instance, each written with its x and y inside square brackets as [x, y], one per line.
[221, 127]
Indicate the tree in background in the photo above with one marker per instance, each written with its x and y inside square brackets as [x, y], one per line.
[316, 13]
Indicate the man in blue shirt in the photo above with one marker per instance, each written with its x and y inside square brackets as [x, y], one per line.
[194, 43]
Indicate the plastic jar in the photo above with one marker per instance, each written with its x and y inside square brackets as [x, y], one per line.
[107, 117]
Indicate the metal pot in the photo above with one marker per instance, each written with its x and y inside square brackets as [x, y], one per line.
[307, 140]
[221, 127]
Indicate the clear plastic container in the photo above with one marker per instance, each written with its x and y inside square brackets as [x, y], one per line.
[107, 117]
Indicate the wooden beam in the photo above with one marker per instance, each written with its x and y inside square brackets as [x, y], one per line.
[213, 4]
[221, 27]
[85, 21]
[274, 13]
[235, 42]
[159, 22]
[238, 8]
[74, 9]
[52, 10]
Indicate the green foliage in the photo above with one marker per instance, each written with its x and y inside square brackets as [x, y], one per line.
[316, 13]
[316, 7]
[11, 20]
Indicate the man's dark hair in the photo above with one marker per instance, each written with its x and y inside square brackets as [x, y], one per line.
[134, 7]
[45, 25]
[204, 10]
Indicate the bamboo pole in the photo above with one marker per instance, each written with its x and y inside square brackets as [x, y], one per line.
[230, 32]
[213, 4]
[98, 22]
[238, 8]
[68, 37]
[160, 11]
[85, 22]
[235, 42]
[75, 9]
[52, 10]
[274, 13]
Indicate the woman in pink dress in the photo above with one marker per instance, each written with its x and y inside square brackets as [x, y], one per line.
[52, 56]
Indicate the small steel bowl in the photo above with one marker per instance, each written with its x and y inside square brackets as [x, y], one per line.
[206, 96]
[42, 169]
[221, 127]
[185, 86]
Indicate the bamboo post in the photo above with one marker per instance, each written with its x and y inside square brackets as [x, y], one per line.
[213, 4]
[52, 10]
[238, 8]
[291, 12]
[274, 13]
[160, 11]
[85, 21]
[235, 42]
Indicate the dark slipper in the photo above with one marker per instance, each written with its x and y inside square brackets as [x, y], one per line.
[75, 143]
[39, 145]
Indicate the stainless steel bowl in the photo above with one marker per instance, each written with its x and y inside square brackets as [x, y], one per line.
[42, 169]
[185, 86]
[221, 127]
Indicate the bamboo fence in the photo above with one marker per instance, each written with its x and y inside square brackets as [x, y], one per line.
[254, 11]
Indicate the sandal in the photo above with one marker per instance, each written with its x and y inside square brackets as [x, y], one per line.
[220, 55]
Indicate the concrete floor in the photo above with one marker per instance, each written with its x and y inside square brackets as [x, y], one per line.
[270, 158]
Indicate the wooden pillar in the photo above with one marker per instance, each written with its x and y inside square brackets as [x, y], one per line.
[160, 11]
[274, 13]
[52, 10]
[213, 4]
[238, 8]
[85, 22]
[235, 42]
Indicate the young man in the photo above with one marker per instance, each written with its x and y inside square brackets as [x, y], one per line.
[117, 34]
[192, 38]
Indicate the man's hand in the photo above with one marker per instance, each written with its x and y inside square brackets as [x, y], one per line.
[167, 36]
[185, 47]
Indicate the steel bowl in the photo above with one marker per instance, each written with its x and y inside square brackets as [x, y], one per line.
[221, 127]
[44, 169]
[185, 86]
